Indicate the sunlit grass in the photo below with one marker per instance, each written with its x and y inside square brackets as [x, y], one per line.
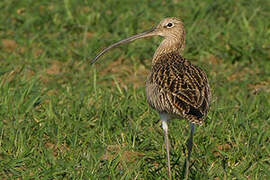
[61, 118]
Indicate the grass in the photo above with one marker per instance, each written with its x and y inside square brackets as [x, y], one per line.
[61, 118]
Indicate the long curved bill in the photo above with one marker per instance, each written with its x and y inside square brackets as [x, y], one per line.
[129, 39]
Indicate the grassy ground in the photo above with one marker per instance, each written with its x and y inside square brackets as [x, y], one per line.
[61, 118]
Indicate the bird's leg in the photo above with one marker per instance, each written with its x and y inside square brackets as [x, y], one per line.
[164, 119]
[189, 145]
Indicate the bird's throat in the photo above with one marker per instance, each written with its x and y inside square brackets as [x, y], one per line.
[167, 46]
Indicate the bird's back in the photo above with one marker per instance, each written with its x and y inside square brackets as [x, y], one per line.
[178, 88]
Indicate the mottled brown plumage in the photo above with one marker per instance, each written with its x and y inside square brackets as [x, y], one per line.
[178, 88]
[175, 87]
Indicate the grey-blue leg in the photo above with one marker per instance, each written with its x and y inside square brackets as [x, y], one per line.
[189, 145]
[164, 119]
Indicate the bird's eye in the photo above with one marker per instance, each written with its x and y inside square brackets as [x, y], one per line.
[170, 24]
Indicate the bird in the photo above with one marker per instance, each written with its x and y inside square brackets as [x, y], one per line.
[175, 88]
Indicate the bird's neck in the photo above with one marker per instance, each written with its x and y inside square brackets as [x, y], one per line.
[168, 45]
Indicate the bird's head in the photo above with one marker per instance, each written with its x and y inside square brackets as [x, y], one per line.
[172, 29]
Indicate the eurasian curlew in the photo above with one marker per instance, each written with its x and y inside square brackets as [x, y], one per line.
[175, 87]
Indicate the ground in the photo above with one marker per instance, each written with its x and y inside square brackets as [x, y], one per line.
[61, 118]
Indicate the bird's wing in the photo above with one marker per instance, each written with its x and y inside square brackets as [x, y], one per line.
[186, 86]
